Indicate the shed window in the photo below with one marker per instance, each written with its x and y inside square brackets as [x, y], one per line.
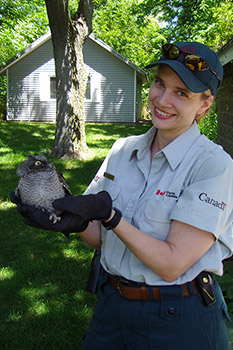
[53, 87]
[88, 88]
[93, 87]
[47, 87]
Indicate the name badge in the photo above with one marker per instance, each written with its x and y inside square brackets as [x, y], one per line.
[109, 176]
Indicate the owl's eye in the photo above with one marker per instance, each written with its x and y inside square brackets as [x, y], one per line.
[37, 162]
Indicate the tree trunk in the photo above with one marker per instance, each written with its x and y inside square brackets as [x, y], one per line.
[68, 38]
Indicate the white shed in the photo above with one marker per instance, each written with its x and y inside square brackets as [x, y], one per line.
[114, 88]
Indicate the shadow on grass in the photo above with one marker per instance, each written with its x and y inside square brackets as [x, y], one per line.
[42, 288]
[22, 137]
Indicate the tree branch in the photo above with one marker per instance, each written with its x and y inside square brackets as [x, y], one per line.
[85, 12]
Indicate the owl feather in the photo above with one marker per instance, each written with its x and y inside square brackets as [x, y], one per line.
[40, 184]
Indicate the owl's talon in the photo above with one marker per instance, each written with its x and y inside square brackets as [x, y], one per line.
[54, 218]
[41, 208]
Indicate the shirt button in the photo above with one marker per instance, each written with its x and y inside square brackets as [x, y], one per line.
[171, 310]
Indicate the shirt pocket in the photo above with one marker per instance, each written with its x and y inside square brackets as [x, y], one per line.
[158, 211]
[114, 190]
[157, 217]
[103, 184]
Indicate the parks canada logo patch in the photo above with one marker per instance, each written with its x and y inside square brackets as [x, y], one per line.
[169, 194]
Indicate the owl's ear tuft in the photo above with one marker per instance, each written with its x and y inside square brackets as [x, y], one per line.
[42, 157]
[30, 155]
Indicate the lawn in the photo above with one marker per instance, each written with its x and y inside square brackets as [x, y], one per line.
[43, 274]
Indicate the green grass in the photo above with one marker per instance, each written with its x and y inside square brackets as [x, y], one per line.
[43, 274]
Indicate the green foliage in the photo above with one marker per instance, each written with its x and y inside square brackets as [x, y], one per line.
[135, 35]
[21, 23]
[206, 21]
[227, 285]
[221, 30]
[209, 125]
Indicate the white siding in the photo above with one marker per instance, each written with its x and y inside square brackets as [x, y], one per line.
[28, 95]
[115, 103]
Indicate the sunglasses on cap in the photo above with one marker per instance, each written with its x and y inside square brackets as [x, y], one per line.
[193, 62]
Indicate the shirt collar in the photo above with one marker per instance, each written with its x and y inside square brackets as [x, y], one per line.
[144, 144]
[177, 149]
[174, 152]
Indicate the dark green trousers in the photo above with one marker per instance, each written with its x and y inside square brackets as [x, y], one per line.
[172, 323]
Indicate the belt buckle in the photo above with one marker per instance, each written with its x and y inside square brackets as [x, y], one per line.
[119, 283]
[118, 287]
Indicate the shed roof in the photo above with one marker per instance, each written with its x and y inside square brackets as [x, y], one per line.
[100, 42]
[226, 52]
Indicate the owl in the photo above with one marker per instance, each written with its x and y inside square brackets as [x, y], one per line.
[40, 184]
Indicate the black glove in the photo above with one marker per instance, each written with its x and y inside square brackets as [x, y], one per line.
[88, 207]
[40, 219]
[14, 199]
[76, 212]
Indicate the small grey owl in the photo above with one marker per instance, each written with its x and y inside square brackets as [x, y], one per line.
[40, 184]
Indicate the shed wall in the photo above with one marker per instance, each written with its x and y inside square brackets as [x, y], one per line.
[115, 102]
[24, 80]
[225, 110]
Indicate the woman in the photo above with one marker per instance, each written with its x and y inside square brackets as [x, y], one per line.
[160, 209]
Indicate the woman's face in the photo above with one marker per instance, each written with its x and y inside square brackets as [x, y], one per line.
[173, 106]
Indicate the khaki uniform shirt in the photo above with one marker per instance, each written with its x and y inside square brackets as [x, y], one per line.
[190, 180]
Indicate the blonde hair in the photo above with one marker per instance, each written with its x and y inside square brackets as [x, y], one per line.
[204, 96]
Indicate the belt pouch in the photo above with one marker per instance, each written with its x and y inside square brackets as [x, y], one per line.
[205, 286]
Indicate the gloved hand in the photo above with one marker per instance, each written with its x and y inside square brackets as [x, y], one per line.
[89, 207]
[40, 219]
[76, 212]
[14, 199]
